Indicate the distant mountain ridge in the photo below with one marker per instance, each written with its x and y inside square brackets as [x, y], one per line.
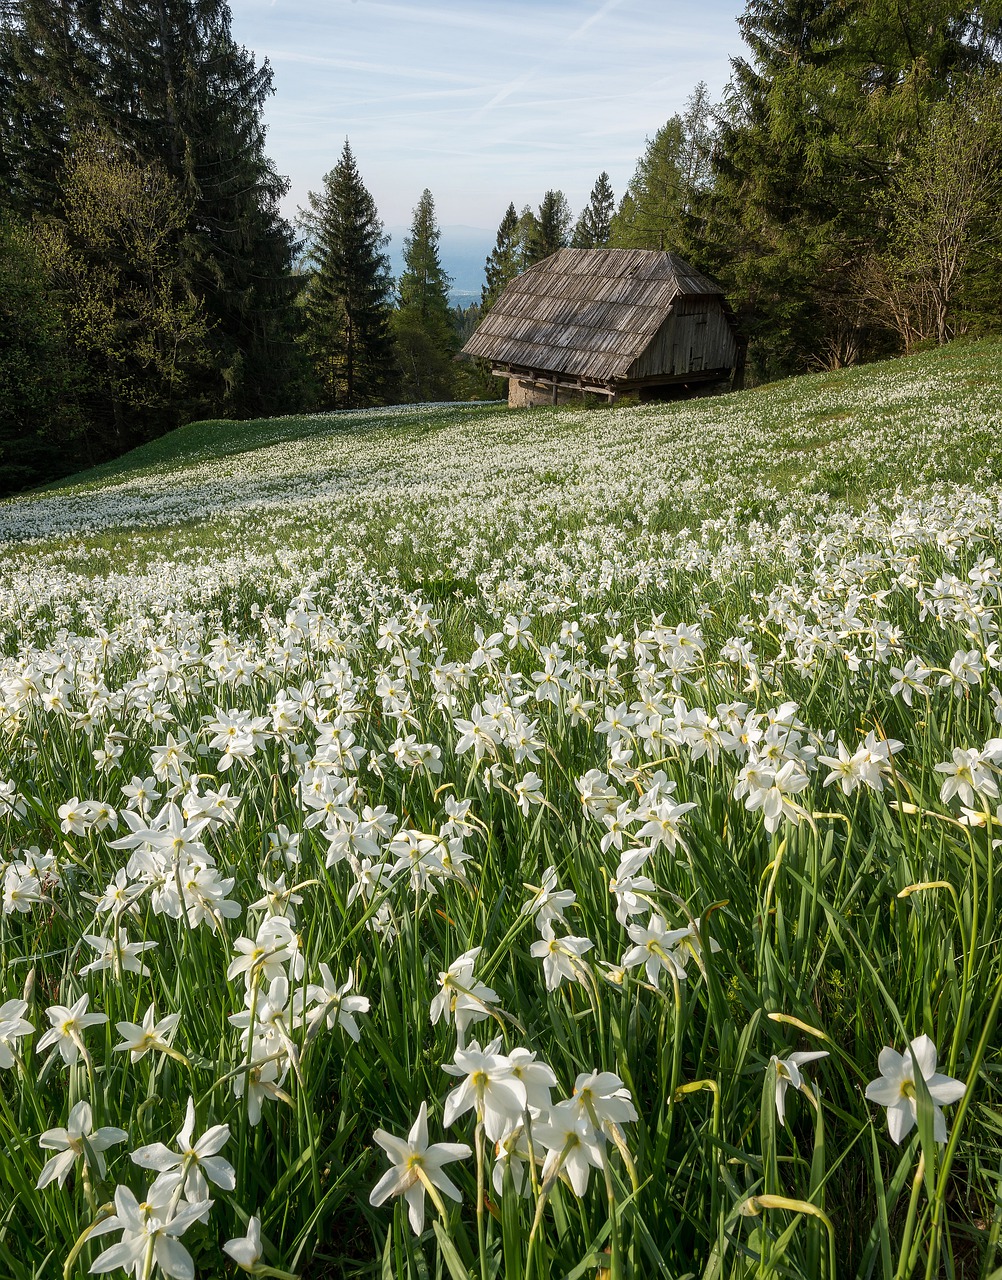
[463, 251]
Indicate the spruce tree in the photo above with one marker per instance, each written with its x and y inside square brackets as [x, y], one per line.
[592, 228]
[349, 295]
[504, 262]
[526, 233]
[422, 324]
[552, 227]
[183, 93]
[50, 82]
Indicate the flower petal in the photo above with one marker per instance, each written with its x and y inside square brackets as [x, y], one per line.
[174, 1259]
[923, 1050]
[392, 1183]
[900, 1119]
[944, 1089]
[883, 1091]
[415, 1207]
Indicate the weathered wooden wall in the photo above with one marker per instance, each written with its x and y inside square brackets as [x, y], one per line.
[696, 336]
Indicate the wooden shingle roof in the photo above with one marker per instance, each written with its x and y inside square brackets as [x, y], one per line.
[585, 312]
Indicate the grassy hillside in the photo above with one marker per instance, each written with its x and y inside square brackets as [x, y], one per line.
[597, 765]
[799, 412]
[804, 443]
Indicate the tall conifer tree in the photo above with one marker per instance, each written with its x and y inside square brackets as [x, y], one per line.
[422, 323]
[187, 95]
[349, 296]
[50, 81]
[504, 262]
[592, 228]
[552, 227]
[659, 207]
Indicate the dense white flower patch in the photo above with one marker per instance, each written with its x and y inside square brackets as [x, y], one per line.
[325, 753]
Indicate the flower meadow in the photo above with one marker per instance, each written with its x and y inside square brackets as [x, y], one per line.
[447, 842]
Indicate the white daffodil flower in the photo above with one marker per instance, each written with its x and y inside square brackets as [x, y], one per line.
[460, 997]
[275, 946]
[489, 1088]
[511, 1154]
[663, 825]
[895, 1088]
[246, 1250]
[263, 1080]
[69, 1022]
[325, 1003]
[138, 1039]
[79, 1138]
[529, 791]
[548, 903]
[536, 1077]
[571, 1143]
[603, 1098]
[561, 957]
[284, 843]
[117, 954]
[14, 1026]
[788, 1073]
[968, 775]
[150, 1230]
[631, 889]
[416, 1163]
[655, 947]
[192, 1163]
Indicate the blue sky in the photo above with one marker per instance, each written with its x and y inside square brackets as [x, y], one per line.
[482, 101]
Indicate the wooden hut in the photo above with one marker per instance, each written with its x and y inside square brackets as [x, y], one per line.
[609, 321]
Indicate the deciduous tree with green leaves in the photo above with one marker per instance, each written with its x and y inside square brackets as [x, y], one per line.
[115, 268]
[943, 214]
[168, 82]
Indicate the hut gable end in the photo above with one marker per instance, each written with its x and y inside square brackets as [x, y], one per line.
[608, 319]
[697, 337]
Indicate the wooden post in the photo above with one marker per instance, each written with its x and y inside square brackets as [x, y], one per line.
[738, 376]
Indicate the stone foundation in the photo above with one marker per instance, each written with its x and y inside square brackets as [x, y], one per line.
[524, 394]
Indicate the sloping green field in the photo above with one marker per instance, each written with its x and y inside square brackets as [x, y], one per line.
[611, 796]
